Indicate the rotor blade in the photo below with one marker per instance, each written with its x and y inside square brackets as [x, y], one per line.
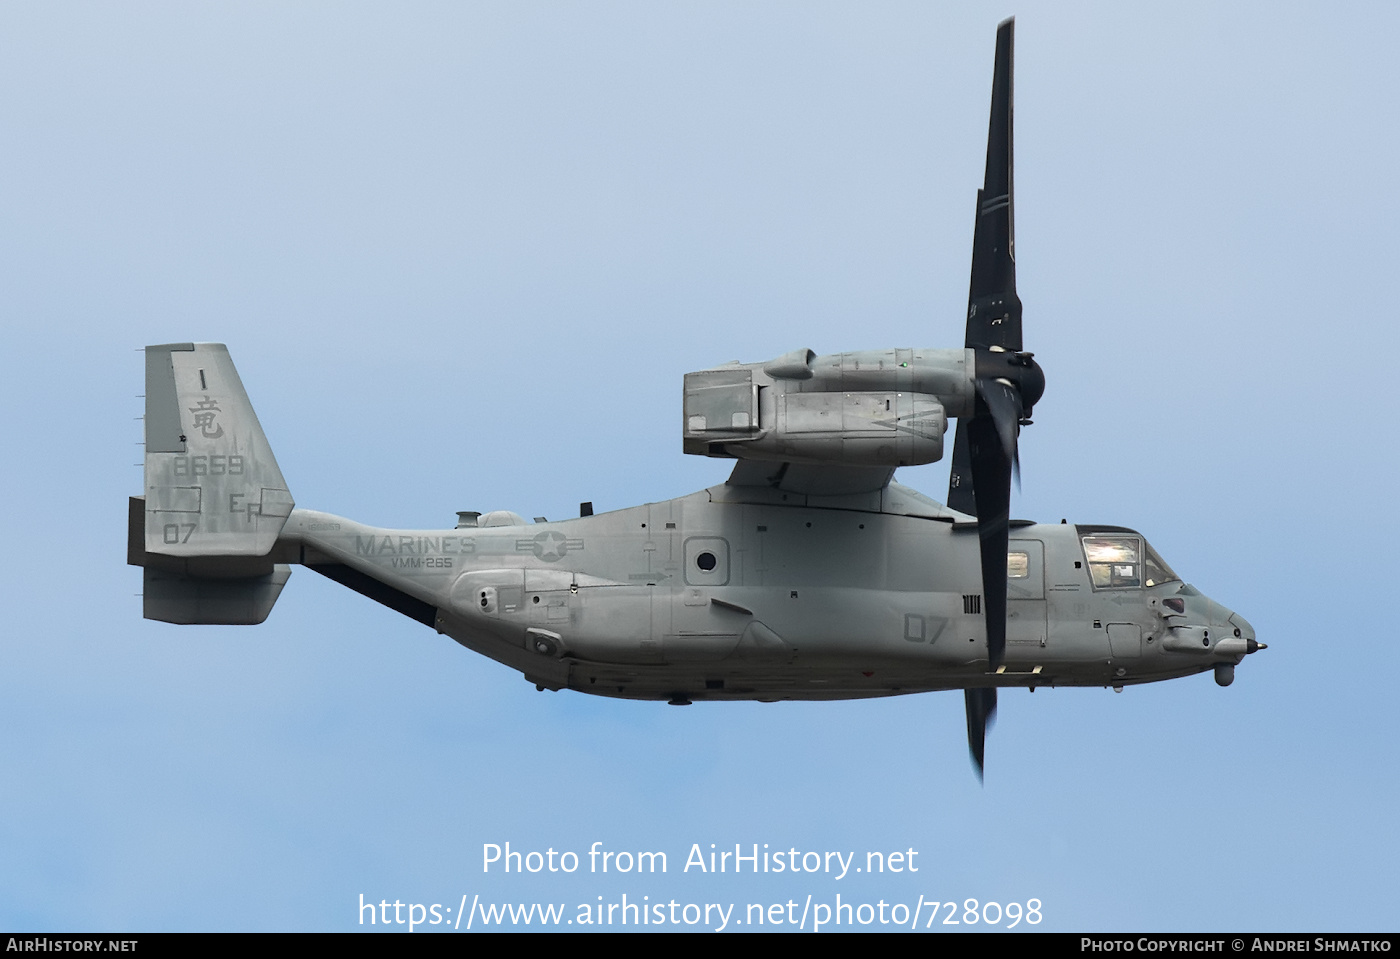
[960, 487]
[981, 712]
[991, 480]
[1003, 403]
[993, 309]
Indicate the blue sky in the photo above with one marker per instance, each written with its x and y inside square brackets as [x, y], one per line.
[463, 255]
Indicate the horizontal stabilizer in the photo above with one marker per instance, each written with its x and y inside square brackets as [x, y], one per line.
[177, 598]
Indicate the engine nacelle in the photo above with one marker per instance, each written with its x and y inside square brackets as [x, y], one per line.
[887, 408]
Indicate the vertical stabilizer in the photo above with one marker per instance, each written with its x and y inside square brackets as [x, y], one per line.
[212, 485]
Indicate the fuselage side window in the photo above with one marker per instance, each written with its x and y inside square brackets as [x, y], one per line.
[1018, 565]
[1114, 561]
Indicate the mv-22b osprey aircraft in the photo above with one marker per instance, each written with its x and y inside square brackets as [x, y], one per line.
[809, 574]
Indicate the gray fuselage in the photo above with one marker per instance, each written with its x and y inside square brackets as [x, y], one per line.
[752, 593]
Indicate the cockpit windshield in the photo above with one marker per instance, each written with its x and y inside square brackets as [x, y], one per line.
[1122, 561]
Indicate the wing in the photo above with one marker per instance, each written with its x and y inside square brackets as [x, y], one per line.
[811, 480]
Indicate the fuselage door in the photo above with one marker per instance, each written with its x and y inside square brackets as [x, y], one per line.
[1025, 598]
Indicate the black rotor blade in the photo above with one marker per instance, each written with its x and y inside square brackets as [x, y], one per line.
[960, 488]
[993, 309]
[1008, 384]
[981, 711]
[1003, 405]
[992, 436]
[991, 480]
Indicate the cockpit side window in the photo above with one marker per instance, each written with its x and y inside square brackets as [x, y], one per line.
[1155, 570]
[1114, 561]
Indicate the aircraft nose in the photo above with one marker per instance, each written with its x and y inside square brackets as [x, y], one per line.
[1238, 643]
[1237, 635]
[1241, 628]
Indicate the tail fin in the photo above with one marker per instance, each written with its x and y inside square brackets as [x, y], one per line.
[212, 484]
[215, 500]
